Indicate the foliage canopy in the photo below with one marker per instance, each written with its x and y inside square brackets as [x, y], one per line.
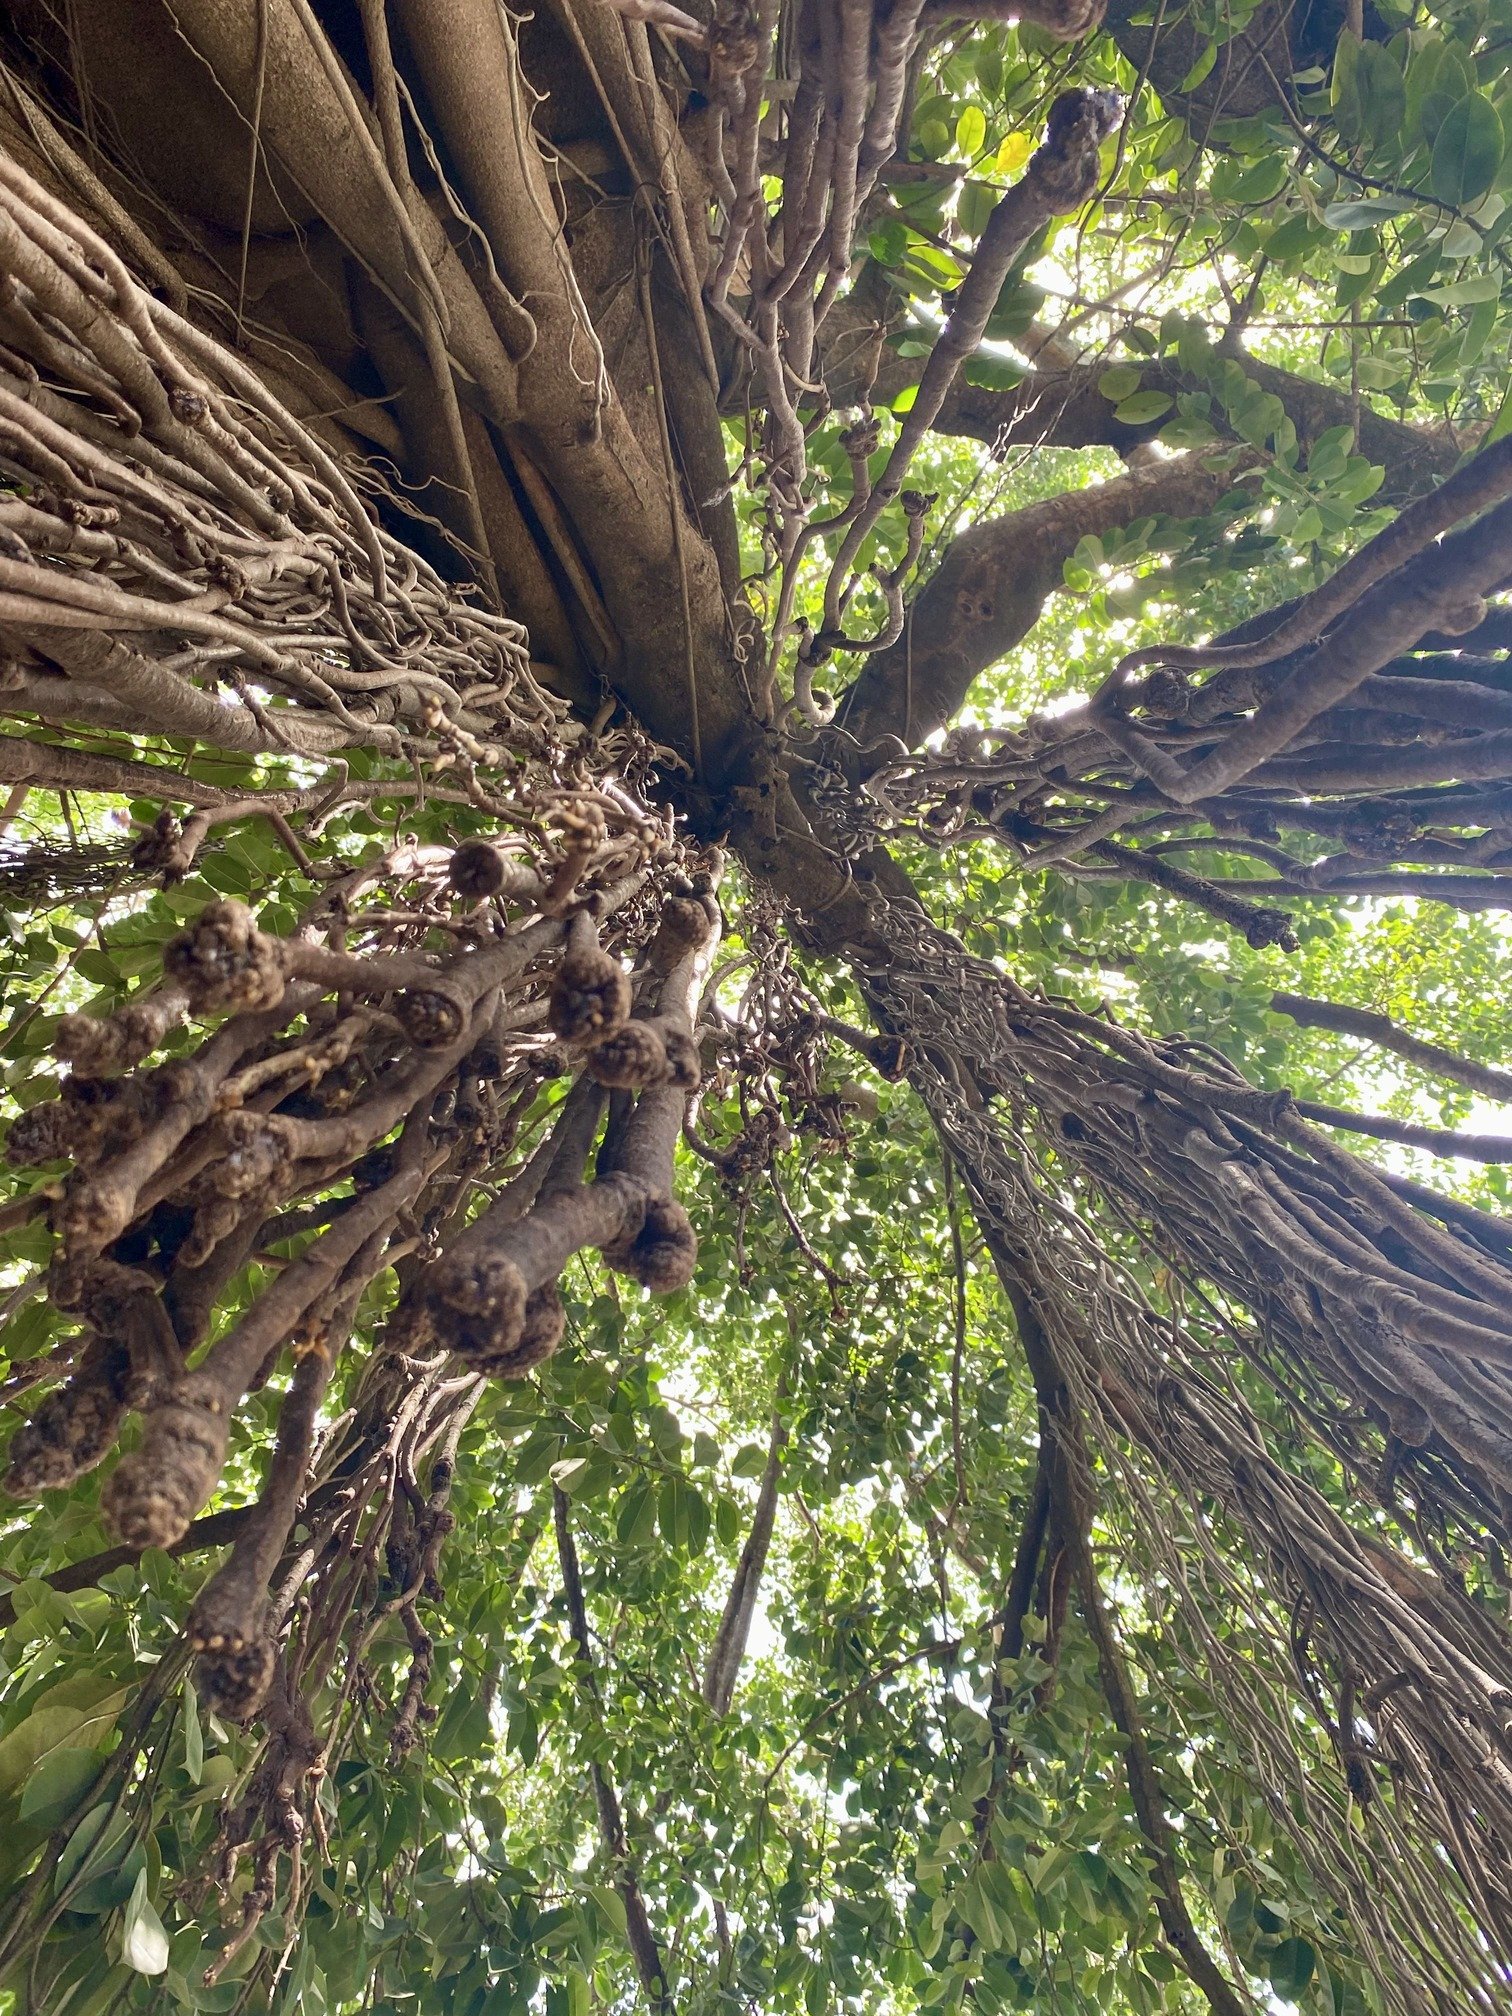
[754, 1244]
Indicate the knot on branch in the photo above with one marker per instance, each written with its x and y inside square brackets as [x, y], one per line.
[42, 1133]
[156, 1490]
[89, 1121]
[1166, 692]
[687, 920]
[192, 408]
[1379, 829]
[477, 870]
[590, 995]
[658, 1051]
[102, 1046]
[224, 964]
[1066, 167]
[1263, 927]
[662, 1254]
[862, 438]
[634, 1056]
[236, 1664]
[476, 1305]
[431, 1017]
[541, 1331]
[258, 1150]
[75, 1425]
[1464, 616]
[1066, 20]
[163, 850]
[684, 1065]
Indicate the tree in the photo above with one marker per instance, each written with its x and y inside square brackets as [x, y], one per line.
[791, 717]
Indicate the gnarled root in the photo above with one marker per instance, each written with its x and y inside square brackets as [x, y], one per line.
[75, 1425]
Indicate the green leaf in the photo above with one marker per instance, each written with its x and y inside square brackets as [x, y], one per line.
[975, 203]
[1343, 91]
[89, 1843]
[1291, 239]
[194, 1737]
[1476, 287]
[1440, 78]
[971, 132]
[994, 374]
[59, 1786]
[144, 1943]
[98, 967]
[1013, 153]
[888, 241]
[1200, 70]
[1382, 94]
[1291, 1968]
[1142, 407]
[1361, 213]
[1478, 333]
[1017, 305]
[1467, 152]
[76, 1714]
[672, 1513]
[1120, 382]
[979, 1913]
[1261, 182]
[1417, 274]
[1501, 425]
[1330, 454]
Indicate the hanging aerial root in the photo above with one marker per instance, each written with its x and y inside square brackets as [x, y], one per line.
[232, 1625]
[1409, 1317]
[1369, 1691]
[175, 522]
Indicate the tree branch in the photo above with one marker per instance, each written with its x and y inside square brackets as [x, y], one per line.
[642, 1939]
[725, 1654]
[1375, 1028]
[990, 588]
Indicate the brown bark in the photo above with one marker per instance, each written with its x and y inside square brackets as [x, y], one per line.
[990, 588]
[1431, 1058]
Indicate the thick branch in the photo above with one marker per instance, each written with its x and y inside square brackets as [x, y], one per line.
[990, 588]
[1064, 409]
[1375, 1028]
